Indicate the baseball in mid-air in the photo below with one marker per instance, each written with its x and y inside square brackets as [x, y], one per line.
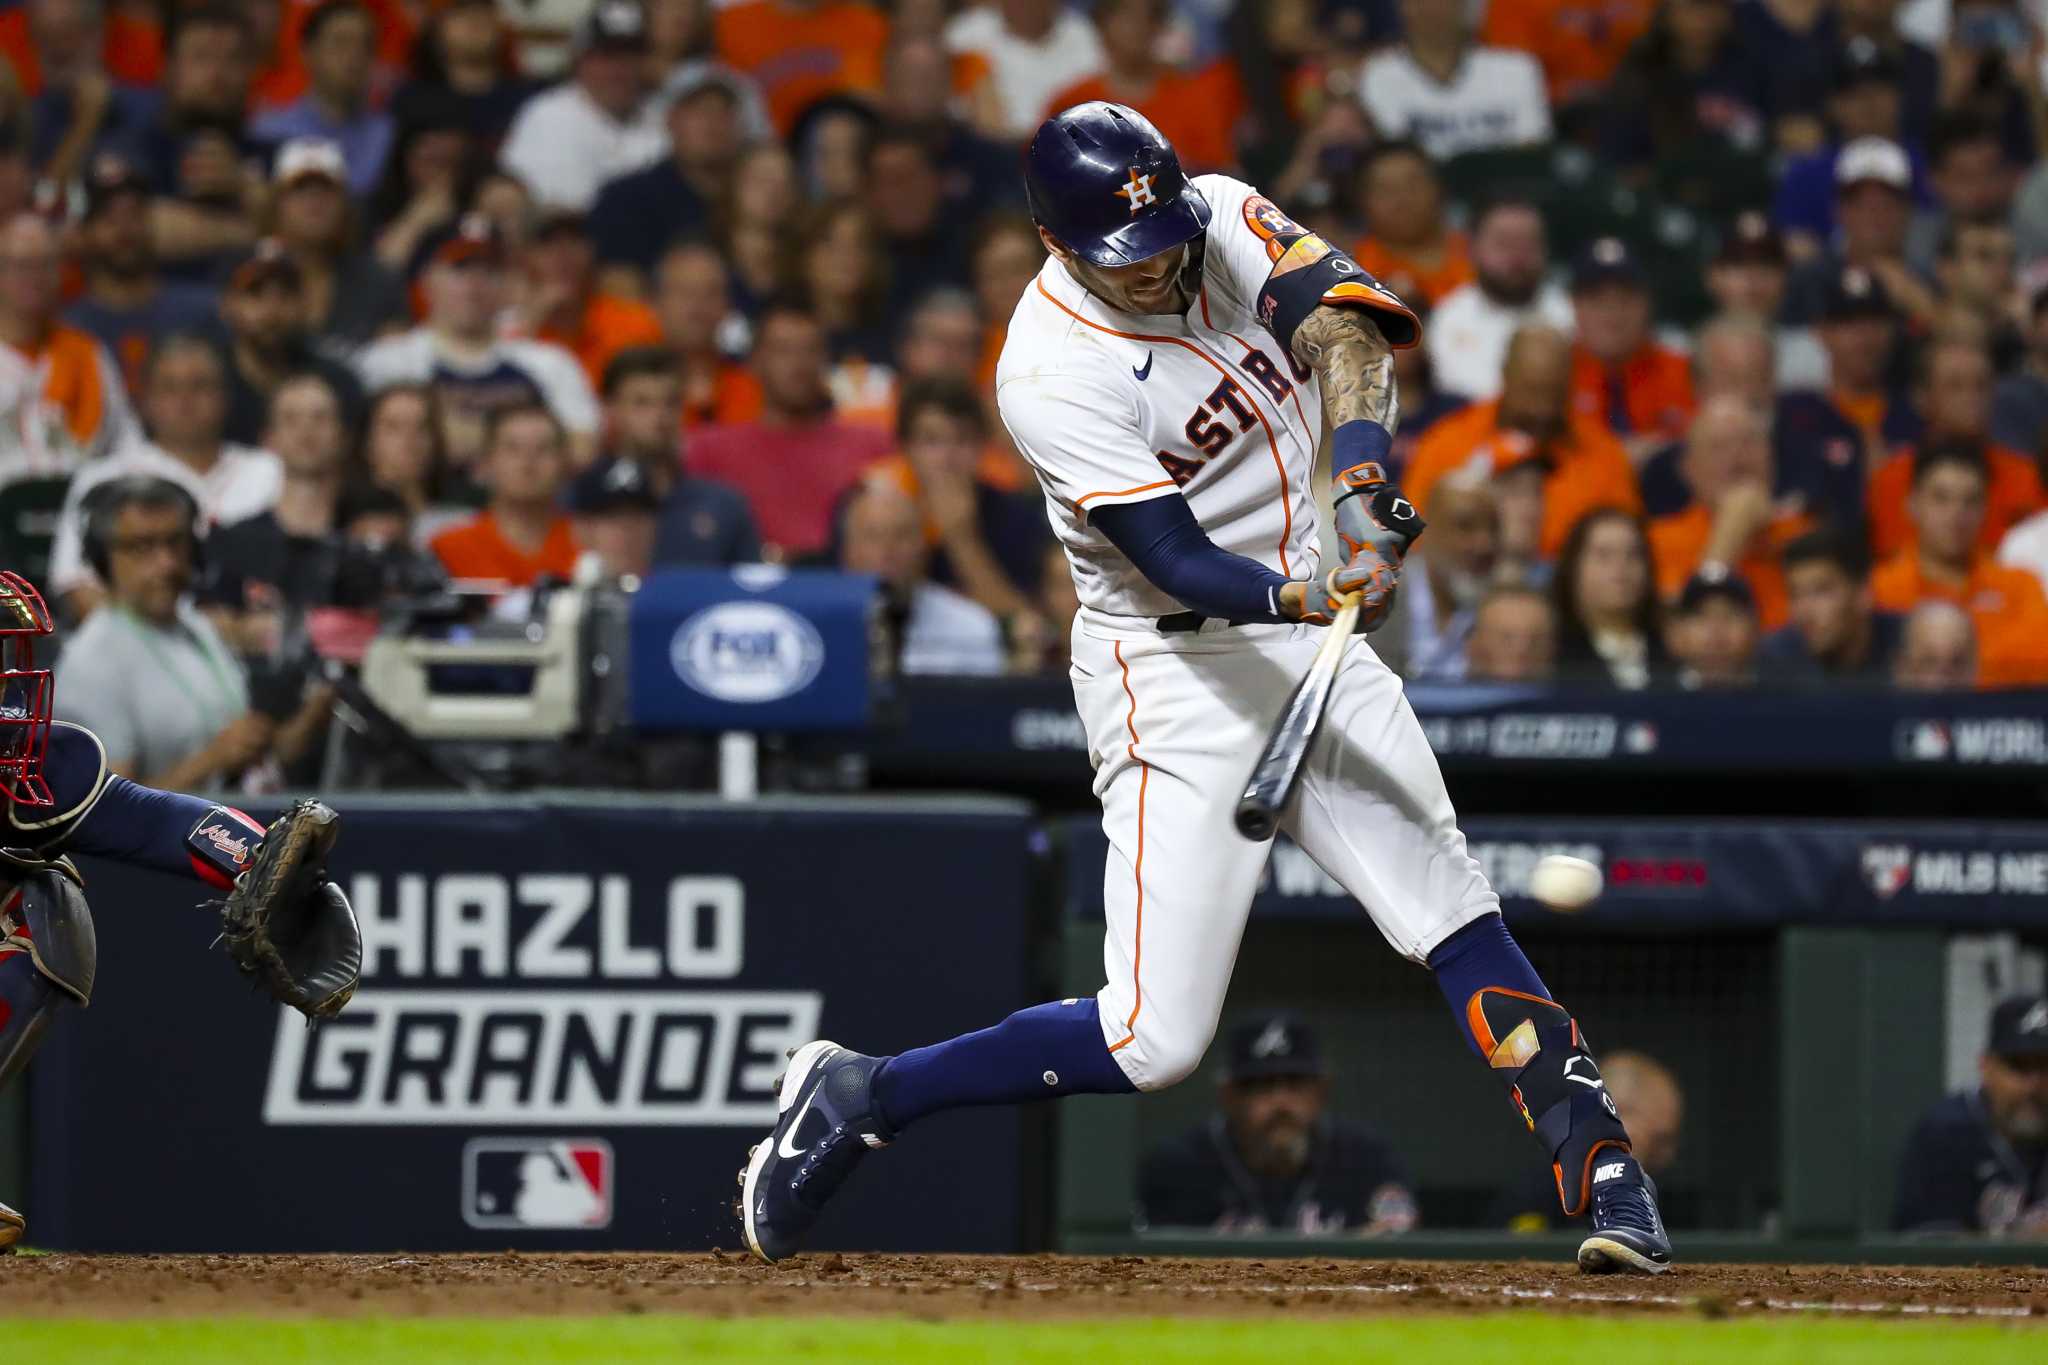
[1565, 883]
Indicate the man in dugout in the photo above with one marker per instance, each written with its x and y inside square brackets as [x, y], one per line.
[1978, 1161]
[1271, 1158]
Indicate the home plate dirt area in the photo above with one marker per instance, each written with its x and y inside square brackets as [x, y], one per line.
[727, 1284]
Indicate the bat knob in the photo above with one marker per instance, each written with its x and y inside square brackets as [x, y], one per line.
[1255, 821]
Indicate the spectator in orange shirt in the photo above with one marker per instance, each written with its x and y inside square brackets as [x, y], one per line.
[801, 50]
[1955, 392]
[1197, 111]
[1408, 245]
[1946, 562]
[1531, 423]
[693, 303]
[1858, 329]
[1620, 375]
[60, 391]
[1579, 42]
[564, 305]
[522, 532]
[1732, 522]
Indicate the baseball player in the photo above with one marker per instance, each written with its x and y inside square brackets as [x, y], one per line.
[1167, 376]
[283, 921]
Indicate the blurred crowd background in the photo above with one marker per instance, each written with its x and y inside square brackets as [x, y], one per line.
[1736, 369]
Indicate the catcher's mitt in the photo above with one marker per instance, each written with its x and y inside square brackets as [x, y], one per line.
[285, 924]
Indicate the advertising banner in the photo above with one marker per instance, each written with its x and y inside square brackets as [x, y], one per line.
[572, 1015]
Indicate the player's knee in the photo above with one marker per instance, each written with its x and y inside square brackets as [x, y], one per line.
[1165, 1062]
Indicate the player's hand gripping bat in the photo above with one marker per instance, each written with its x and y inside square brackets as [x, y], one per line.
[1279, 766]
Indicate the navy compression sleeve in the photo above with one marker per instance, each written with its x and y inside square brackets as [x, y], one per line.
[1163, 539]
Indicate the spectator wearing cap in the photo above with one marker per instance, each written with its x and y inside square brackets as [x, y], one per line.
[349, 295]
[1424, 636]
[473, 370]
[636, 216]
[1712, 630]
[283, 556]
[1860, 416]
[1692, 79]
[564, 303]
[700, 522]
[693, 303]
[339, 40]
[1863, 104]
[795, 460]
[1835, 635]
[1605, 597]
[1448, 94]
[61, 392]
[597, 125]
[614, 508]
[269, 334]
[1532, 423]
[935, 630]
[799, 51]
[1197, 110]
[522, 533]
[127, 304]
[1945, 561]
[1747, 277]
[75, 99]
[984, 542]
[1514, 637]
[1874, 207]
[1734, 523]
[1580, 43]
[1272, 1158]
[1470, 326]
[463, 58]
[1409, 245]
[1033, 48]
[1937, 650]
[184, 405]
[1977, 1162]
[1621, 376]
[1955, 379]
[922, 86]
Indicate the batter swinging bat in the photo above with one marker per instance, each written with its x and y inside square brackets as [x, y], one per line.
[1279, 766]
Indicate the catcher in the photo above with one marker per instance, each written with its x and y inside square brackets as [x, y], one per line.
[283, 922]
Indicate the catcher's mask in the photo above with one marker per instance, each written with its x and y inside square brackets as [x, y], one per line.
[25, 692]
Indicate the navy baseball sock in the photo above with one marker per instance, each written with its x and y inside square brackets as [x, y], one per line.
[1482, 954]
[1035, 1054]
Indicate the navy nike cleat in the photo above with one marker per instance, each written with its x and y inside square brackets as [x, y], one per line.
[825, 1123]
[1628, 1234]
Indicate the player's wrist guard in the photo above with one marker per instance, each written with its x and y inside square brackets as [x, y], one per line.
[1533, 1045]
[1371, 511]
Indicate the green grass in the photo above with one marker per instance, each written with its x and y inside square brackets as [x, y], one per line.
[1515, 1338]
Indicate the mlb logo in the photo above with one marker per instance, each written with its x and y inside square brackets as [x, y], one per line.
[547, 1183]
[1887, 867]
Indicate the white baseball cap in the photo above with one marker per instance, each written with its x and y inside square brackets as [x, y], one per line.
[304, 156]
[1874, 158]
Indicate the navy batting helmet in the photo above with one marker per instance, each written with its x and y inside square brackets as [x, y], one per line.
[1104, 181]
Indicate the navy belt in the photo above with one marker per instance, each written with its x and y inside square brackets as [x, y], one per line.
[1186, 623]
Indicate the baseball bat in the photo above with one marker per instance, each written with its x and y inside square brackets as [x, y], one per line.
[1279, 766]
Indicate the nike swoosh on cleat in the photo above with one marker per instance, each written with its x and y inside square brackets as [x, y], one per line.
[784, 1147]
[1145, 373]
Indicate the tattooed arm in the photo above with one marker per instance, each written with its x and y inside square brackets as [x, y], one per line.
[1345, 347]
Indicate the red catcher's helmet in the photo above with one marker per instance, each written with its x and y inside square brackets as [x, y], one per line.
[25, 692]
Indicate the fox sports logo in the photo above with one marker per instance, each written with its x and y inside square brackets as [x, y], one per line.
[747, 652]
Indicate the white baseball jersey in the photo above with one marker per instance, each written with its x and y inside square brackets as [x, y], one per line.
[1110, 408]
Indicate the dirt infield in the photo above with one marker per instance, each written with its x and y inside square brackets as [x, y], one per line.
[968, 1287]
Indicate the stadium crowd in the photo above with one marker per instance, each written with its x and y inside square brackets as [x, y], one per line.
[1736, 366]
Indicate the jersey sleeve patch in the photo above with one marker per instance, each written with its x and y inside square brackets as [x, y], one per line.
[1271, 226]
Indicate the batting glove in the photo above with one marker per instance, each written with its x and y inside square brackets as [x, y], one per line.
[1376, 525]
